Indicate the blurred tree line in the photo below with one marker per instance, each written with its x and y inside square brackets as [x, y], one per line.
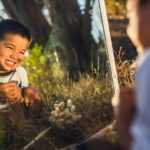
[116, 7]
[67, 22]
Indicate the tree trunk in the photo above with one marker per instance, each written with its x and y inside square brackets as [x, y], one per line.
[75, 30]
[27, 12]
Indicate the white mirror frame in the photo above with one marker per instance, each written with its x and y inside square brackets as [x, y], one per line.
[108, 44]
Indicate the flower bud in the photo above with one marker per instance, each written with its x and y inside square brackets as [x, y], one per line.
[57, 109]
[55, 105]
[61, 105]
[73, 108]
[56, 114]
[52, 113]
[69, 103]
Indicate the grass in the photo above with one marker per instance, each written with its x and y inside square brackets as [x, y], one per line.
[88, 111]
[125, 70]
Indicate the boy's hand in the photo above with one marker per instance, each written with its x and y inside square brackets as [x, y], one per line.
[31, 96]
[10, 91]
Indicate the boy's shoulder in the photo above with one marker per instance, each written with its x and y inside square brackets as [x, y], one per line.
[21, 69]
[143, 66]
[21, 74]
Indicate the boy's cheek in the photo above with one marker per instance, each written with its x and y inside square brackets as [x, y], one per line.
[19, 62]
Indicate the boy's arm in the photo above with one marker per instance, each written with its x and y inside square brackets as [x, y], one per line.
[23, 77]
[33, 98]
[31, 95]
[124, 114]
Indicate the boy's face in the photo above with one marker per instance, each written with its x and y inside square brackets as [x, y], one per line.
[139, 24]
[12, 50]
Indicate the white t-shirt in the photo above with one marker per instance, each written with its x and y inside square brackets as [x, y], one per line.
[140, 128]
[19, 76]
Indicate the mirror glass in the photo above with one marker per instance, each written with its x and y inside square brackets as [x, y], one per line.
[74, 70]
[89, 68]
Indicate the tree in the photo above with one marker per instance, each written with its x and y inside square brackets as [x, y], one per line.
[75, 31]
[27, 12]
[72, 25]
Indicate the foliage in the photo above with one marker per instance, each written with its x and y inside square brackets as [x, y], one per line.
[64, 114]
[37, 65]
[116, 7]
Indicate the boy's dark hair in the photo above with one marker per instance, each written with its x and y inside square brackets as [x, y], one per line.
[143, 2]
[13, 26]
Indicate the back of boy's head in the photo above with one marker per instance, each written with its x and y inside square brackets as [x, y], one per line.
[11, 26]
[140, 2]
[143, 2]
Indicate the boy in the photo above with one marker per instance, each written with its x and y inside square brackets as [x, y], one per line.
[15, 38]
[133, 110]
[14, 87]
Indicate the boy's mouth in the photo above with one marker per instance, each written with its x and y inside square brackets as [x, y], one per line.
[10, 63]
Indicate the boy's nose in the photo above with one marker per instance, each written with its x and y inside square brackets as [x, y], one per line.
[14, 55]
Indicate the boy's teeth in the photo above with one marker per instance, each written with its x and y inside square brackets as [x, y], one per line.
[10, 62]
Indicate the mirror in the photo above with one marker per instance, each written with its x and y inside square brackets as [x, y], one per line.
[87, 39]
[74, 69]
[109, 45]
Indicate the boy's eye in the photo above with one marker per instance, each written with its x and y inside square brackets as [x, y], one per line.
[22, 52]
[9, 47]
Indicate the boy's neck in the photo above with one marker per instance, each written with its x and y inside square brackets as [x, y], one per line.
[5, 73]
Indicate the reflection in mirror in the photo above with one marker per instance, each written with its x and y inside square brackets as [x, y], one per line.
[80, 27]
[72, 67]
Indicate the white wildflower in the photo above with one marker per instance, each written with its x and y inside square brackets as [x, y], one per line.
[69, 103]
[55, 105]
[73, 108]
[52, 113]
[56, 114]
[66, 112]
[61, 105]
[57, 109]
